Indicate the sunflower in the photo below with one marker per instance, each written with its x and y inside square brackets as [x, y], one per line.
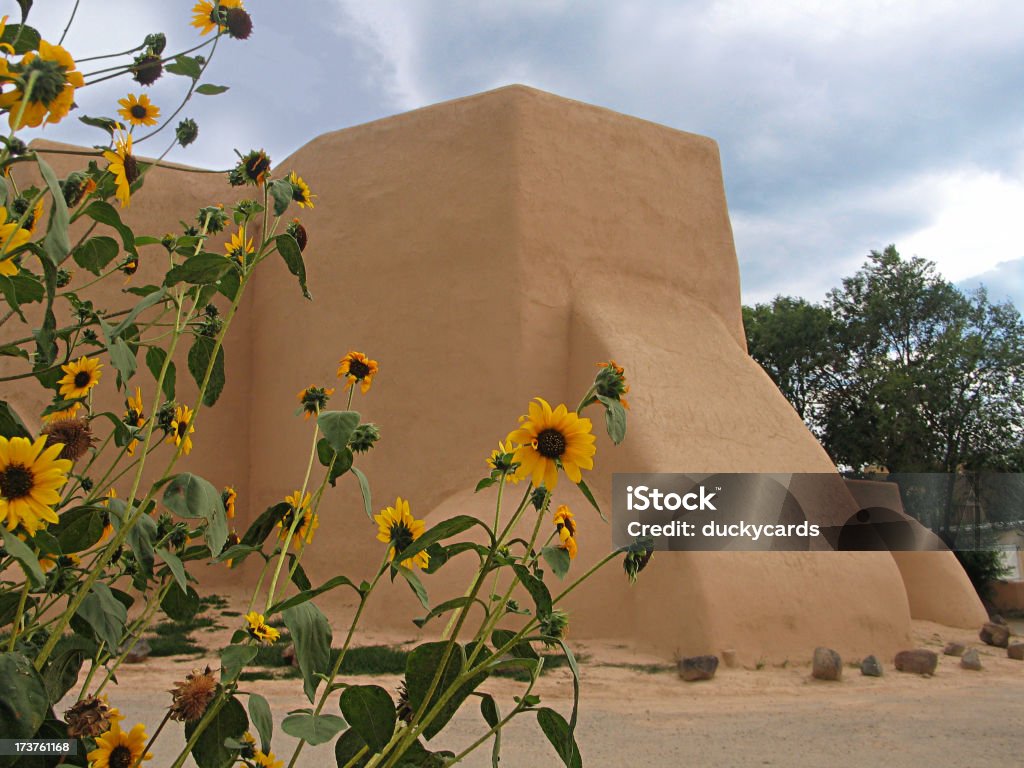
[124, 166]
[79, 377]
[267, 761]
[565, 525]
[611, 382]
[259, 629]
[300, 191]
[239, 248]
[117, 749]
[54, 78]
[67, 413]
[138, 110]
[500, 461]
[229, 496]
[73, 435]
[181, 429]
[12, 237]
[313, 400]
[252, 168]
[400, 529]
[356, 367]
[309, 523]
[133, 417]
[207, 18]
[550, 438]
[48, 561]
[91, 716]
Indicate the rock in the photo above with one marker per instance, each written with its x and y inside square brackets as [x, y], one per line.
[288, 654]
[827, 665]
[694, 668]
[139, 652]
[1015, 651]
[918, 661]
[729, 658]
[995, 634]
[971, 660]
[871, 667]
[954, 649]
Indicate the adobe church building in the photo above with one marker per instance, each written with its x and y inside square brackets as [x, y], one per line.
[492, 249]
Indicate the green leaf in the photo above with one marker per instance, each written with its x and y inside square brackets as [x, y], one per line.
[105, 123]
[21, 289]
[487, 482]
[105, 213]
[180, 605]
[199, 360]
[537, 589]
[78, 529]
[289, 249]
[175, 565]
[560, 736]
[186, 66]
[189, 495]
[11, 424]
[590, 497]
[105, 614]
[55, 243]
[259, 713]
[264, 525]
[211, 90]
[151, 298]
[370, 711]
[414, 584]
[311, 635]
[421, 666]
[21, 552]
[21, 37]
[155, 357]
[337, 427]
[339, 463]
[281, 191]
[95, 253]
[500, 638]
[141, 538]
[442, 530]
[364, 489]
[558, 560]
[309, 594]
[123, 360]
[61, 672]
[202, 269]
[316, 729]
[229, 723]
[489, 710]
[614, 418]
[234, 658]
[447, 605]
[24, 703]
[347, 747]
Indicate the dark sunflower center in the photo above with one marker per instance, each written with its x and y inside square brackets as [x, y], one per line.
[138, 111]
[257, 166]
[401, 536]
[359, 369]
[131, 169]
[120, 757]
[16, 481]
[82, 378]
[551, 443]
[182, 428]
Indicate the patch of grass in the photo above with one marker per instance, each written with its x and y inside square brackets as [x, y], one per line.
[272, 655]
[372, 660]
[268, 674]
[174, 645]
[551, 661]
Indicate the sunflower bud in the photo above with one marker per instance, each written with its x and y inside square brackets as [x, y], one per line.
[539, 497]
[214, 217]
[146, 69]
[63, 278]
[363, 438]
[155, 42]
[554, 626]
[187, 131]
[611, 382]
[637, 558]
[296, 230]
[75, 187]
[16, 147]
[87, 484]
[165, 415]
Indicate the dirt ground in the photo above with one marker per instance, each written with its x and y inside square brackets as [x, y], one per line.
[775, 715]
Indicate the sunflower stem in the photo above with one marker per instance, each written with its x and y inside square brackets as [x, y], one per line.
[21, 612]
[142, 755]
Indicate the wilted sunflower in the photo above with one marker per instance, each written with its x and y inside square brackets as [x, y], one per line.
[239, 248]
[308, 524]
[80, 377]
[12, 237]
[73, 435]
[500, 461]
[399, 528]
[30, 474]
[550, 438]
[90, 717]
[357, 368]
[208, 16]
[122, 163]
[296, 230]
[300, 191]
[565, 525]
[147, 68]
[229, 496]
[181, 429]
[53, 91]
[192, 696]
[133, 416]
[611, 382]
[117, 749]
[313, 400]
[259, 629]
[138, 110]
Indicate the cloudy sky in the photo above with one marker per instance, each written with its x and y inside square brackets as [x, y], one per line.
[844, 125]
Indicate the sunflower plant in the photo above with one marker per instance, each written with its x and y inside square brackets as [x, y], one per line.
[92, 552]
